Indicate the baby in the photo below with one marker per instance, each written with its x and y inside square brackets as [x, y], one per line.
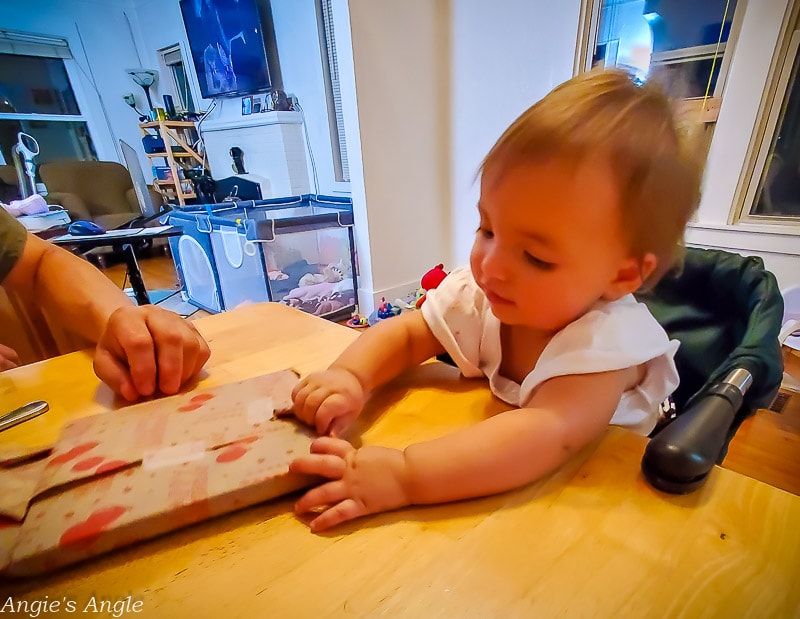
[583, 201]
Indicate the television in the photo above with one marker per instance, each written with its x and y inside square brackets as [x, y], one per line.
[226, 40]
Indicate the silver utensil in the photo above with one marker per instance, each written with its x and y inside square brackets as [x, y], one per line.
[23, 413]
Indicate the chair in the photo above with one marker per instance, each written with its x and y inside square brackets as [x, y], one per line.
[726, 310]
[100, 191]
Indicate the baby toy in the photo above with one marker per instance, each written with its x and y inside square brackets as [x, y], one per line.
[431, 280]
[383, 311]
[358, 322]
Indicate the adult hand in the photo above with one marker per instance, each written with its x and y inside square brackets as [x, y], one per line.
[146, 348]
[328, 401]
[363, 481]
[8, 358]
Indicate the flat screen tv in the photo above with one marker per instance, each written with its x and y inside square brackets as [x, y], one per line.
[227, 45]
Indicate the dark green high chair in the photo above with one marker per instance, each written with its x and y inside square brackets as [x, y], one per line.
[726, 311]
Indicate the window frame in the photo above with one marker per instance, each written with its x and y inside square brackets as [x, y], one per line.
[589, 31]
[341, 172]
[765, 129]
[37, 45]
[173, 87]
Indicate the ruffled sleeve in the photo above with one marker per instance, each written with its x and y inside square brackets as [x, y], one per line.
[614, 336]
[453, 312]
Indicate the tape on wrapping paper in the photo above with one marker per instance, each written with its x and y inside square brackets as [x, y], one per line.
[175, 455]
[260, 410]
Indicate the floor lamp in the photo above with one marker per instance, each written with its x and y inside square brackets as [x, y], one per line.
[144, 78]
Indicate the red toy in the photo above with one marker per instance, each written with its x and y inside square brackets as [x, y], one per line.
[431, 280]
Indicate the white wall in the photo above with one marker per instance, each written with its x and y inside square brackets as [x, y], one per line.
[506, 55]
[114, 42]
[100, 40]
[436, 82]
[300, 59]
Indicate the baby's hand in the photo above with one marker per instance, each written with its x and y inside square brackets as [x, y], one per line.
[329, 401]
[363, 481]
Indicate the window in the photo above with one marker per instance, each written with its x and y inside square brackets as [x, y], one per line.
[775, 197]
[36, 97]
[333, 92]
[172, 59]
[681, 44]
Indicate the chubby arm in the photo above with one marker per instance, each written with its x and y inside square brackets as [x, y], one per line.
[504, 452]
[139, 349]
[332, 399]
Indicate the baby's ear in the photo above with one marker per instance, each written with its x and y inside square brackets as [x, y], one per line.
[630, 277]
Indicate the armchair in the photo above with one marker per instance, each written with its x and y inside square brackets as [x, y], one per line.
[99, 191]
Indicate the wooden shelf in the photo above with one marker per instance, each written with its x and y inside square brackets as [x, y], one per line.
[174, 154]
[178, 124]
[175, 135]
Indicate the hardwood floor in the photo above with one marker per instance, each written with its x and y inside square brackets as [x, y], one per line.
[158, 272]
[766, 446]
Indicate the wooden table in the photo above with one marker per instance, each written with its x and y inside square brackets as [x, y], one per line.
[591, 540]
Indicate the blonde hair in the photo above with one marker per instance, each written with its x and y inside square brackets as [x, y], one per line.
[603, 113]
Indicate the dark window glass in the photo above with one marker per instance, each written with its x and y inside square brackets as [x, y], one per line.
[35, 85]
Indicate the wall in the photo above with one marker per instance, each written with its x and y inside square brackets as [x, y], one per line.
[435, 84]
[297, 36]
[92, 27]
[506, 55]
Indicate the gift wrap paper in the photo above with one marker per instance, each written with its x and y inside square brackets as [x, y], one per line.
[119, 477]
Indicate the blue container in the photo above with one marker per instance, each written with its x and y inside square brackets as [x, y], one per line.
[193, 256]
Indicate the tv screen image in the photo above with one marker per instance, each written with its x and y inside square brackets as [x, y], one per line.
[227, 45]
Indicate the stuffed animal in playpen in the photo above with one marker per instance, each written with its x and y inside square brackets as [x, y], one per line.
[331, 273]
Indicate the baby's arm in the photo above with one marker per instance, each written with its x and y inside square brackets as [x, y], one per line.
[332, 399]
[504, 452]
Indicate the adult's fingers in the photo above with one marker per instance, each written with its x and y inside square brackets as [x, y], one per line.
[128, 337]
[9, 356]
[343, 511]
[180, 349]
[115, 374]
[6, 364]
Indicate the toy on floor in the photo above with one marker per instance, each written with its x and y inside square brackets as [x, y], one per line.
[384, 310]
[358, 322]
[431, 280]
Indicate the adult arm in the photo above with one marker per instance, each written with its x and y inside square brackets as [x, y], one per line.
[139, 349]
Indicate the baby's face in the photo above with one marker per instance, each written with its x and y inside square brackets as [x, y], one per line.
[549, 244]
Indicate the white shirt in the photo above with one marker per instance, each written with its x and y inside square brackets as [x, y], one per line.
[610, 336]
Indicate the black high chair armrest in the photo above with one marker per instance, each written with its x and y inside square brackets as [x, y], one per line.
[680, 457]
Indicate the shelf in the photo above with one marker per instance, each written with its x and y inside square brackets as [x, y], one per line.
[167, 123]
[170, 183]
[175, 135]
[174, 154]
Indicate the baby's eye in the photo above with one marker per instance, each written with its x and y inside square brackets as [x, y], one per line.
[485, 232]
[539, 263]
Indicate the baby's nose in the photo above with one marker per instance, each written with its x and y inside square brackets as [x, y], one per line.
[495, 265]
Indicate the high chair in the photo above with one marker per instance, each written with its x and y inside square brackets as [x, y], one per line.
[726, 310]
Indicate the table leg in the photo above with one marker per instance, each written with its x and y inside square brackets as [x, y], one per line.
[135, 275]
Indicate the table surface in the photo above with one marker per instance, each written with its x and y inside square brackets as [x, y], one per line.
[116, 237]
[592, 539]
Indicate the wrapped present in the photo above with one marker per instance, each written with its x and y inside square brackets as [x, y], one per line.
[119, 477]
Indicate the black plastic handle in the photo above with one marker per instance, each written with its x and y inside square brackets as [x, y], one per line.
[680, 457]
